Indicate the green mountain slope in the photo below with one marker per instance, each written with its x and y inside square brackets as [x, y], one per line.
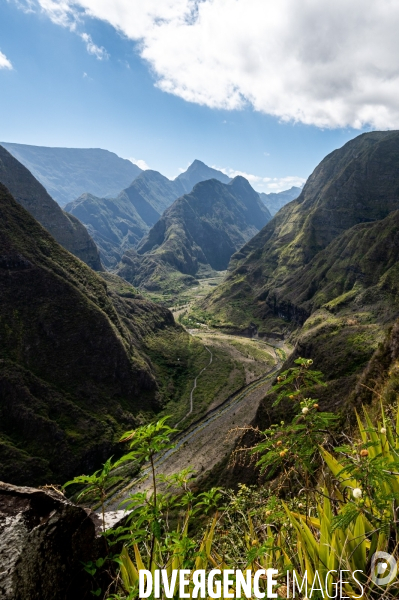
[275, 201]
[197, 234]
[66, 173]
[356, 184]
[120, 223]
[324, 271]
[66, 229]
[80, 356]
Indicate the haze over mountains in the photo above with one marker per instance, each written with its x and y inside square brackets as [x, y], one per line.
[196, 235]
[276, 200]
[66, 173]
[118, 224]
[65, 228]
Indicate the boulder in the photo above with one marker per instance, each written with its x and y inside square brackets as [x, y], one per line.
[44, 541]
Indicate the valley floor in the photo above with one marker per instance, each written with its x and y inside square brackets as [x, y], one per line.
[210, 439]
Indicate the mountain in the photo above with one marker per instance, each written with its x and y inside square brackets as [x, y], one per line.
[196, 235]
[275, 201]
[66, 173]
[324, 270]
[199, 171]
[66, 229]
[358, 183]
[119, 224]
[78, 356]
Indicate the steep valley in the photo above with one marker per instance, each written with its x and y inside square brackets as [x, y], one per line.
[83, 357]
[93, 354]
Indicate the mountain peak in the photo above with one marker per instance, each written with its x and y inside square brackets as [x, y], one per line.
[199, 171]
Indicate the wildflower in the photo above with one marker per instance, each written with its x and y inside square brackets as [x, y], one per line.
[357, 493]
[291, 396]
[283, 453]
[316, 406]
[364, 453]
[383, 430]
[300, 505]
[279, 443]
[305, 410]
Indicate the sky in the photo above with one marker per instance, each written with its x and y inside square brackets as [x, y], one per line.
[254, 87]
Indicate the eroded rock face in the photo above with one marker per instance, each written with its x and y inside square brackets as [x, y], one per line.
[44, 539]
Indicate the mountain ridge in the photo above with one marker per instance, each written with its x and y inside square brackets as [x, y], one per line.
[65, 228]
[276, 200]
[357, 183]
[66, 173]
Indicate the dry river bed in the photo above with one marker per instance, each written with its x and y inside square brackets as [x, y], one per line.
[207, 442]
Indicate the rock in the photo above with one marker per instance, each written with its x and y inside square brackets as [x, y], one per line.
[44, 541]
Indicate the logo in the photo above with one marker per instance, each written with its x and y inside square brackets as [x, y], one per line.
[383, 568]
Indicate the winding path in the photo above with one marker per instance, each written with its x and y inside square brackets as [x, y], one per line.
[194, 386]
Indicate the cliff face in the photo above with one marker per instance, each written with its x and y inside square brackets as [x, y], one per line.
[66, 229]
[74, 371]
[325, 269]
[356, 184]
[200, 231]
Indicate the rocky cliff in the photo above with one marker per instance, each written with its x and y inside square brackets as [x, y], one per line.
[356, 184]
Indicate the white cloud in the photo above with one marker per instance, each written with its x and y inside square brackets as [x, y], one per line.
[265, 184]
[4, 62]
[98, 51]
[330, 64]
[140, 163]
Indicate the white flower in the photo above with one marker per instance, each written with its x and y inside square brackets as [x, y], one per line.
[383, 430]
[305, 410]
[357, 493]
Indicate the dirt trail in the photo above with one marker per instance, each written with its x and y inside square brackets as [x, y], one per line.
[194, 386]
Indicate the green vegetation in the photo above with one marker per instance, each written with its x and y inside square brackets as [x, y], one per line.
[329, 506]
[83, 357]
[178, 363]
[300, 261]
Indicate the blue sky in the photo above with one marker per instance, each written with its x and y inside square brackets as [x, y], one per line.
[103, 90]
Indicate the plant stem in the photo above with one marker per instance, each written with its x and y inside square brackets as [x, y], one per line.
[154, 485]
